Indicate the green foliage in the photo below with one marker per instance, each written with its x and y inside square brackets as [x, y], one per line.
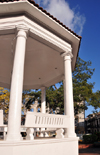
[4, 101]
[82, 89]
[98, 136]
[95, 100]
[29, 97]
[55, 98]
[90, 138]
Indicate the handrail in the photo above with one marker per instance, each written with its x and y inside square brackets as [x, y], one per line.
[41, 120]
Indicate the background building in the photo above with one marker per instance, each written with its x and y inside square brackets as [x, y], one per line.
[92, 123]
[80, 123]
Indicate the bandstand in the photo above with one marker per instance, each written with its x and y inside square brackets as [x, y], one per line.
[36, 51]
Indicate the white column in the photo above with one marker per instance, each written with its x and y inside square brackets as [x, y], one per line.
[14, 119]
[43, 105]
[43, 100]
[68, 95]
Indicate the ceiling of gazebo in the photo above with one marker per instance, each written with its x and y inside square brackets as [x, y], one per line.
[43, 64]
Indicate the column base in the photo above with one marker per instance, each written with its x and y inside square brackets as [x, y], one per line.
[69, 134]
[14, 137]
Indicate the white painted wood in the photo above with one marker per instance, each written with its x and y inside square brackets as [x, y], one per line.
[40, 120]
[43, 100]
[30, 135]
[60, 133]
[14, 119]
[43, 106]
[68, 95]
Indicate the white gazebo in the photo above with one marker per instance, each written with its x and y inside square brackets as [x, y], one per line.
[36, 51]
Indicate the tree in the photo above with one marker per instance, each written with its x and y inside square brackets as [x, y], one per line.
[82, 88]
[95, 100]
[4, 102]
[29, 97]
[54, 98]
[34, 96]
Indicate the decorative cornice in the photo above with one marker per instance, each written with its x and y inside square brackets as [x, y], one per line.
[33, 28]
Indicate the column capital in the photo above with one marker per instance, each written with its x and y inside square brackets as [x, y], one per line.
[68, 53]
[22, 28]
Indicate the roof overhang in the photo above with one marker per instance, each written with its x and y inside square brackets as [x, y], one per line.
[46, 41]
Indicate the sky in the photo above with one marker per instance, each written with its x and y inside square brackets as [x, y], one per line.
[83, 17]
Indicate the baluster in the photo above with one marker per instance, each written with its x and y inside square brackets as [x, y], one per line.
[30, 132]
[59, 133]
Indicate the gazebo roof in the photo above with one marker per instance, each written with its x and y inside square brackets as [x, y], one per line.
[43, 61]
[44, 11]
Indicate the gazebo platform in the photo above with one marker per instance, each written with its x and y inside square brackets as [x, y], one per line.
[41, 147]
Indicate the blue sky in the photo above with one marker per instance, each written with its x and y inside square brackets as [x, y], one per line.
[82, 16]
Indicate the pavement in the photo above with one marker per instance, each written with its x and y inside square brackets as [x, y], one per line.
[89, 151]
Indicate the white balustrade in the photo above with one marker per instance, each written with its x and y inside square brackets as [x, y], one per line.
[40, 120]
[50, 121]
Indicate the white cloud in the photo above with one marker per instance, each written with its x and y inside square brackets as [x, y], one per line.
[62, 11]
